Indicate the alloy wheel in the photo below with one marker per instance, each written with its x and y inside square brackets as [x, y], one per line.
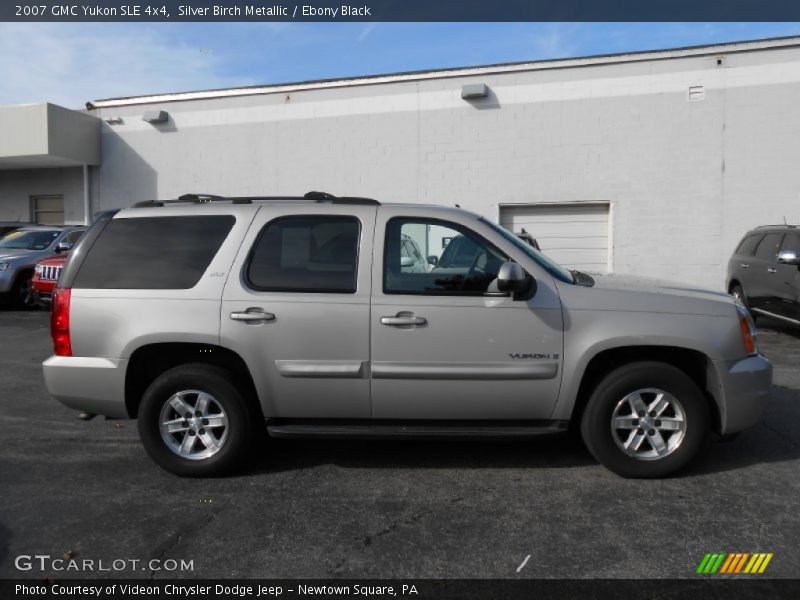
[648, 424]
[193, 424]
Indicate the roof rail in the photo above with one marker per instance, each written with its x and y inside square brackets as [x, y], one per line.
[777, 225]
[326, 197]
[208, 198]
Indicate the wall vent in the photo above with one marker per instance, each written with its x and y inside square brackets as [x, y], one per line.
[696, 93]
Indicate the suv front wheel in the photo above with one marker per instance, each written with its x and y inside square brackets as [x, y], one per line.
[645, 419]
[193, 422]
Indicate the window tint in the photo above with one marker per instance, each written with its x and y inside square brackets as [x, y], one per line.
[791, 243]
[748, 244]
[159, 253]
[306, 254]
[768, 247]
[72, 236]
[459, 261]
[29, 239]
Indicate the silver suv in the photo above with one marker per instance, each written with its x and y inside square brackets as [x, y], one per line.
[205, 317]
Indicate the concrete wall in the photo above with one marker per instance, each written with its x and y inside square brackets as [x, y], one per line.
[18, 186]
[685, 178]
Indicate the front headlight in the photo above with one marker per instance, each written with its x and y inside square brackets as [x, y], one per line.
[4, 266]
[748, 329]
[39, 270]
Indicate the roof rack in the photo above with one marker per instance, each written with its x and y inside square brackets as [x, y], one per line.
[320, 197]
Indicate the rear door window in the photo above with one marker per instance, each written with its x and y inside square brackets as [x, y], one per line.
[315, 254]
[768, 247]
[158, 253]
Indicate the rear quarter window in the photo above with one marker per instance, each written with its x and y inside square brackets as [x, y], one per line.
[748, 245]
[163, 253]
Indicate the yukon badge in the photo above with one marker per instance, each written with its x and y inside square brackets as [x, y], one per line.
[531, 356]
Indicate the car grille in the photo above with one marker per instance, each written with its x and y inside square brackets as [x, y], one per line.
[50, 273]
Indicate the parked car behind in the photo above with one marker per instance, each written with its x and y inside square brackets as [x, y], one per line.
[20, 250]
[45, 276]
[764, 272]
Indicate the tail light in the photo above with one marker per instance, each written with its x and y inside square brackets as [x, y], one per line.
[59, 322]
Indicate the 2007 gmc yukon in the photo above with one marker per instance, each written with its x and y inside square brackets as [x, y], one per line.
[205, 317]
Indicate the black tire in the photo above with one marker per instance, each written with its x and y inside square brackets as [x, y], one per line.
[597, 417]
[22, 293]
[233, 451]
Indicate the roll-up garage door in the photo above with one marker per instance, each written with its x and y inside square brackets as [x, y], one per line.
[574, 235]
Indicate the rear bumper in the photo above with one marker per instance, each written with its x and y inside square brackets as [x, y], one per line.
[96, 385]
[745, 389]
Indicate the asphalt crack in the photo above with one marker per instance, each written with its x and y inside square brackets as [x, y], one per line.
[781, 434]
[176, 538]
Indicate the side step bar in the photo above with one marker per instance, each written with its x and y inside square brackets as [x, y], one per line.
[383, 429]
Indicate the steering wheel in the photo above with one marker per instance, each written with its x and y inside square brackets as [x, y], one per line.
[471, 270]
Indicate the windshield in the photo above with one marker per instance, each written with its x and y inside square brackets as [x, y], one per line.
[29, 240]
[555, 269]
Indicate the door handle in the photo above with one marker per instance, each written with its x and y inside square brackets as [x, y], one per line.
[771, 270]
[252, 315]
[400, 321]
[745, 266]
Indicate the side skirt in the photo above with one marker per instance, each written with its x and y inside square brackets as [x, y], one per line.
[382, 429]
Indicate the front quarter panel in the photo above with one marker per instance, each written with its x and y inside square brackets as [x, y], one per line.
[592, 325]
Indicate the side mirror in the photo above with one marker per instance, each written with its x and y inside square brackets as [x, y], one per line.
[433, 260]
[788, 257]
[513, 278]
[406, 261]
[63, 247]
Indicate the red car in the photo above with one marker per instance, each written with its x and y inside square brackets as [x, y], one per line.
[44, 278]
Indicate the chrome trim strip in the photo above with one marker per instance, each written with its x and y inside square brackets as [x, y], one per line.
[493, 370]
[321, 368]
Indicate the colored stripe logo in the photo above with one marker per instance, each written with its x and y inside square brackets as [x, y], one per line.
[734, 563]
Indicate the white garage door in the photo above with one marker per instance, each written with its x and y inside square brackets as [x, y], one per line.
[574, 235]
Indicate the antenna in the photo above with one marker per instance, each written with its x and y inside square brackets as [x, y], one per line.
[784, 220]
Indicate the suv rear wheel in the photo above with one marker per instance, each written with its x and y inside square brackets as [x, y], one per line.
[194, 422]
[645, 419]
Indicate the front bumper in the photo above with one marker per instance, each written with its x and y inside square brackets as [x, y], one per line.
[43, 286]
[96, 385]
[745, 386]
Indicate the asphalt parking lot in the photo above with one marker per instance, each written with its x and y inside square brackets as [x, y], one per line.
[386, 509]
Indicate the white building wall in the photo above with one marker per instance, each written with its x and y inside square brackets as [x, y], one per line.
[685, 179]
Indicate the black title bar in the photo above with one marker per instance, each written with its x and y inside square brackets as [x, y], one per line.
[399, 10]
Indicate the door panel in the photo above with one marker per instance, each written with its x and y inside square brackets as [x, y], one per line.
[788, 277]
[459, 356]
[764, 273]
[311, 359]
